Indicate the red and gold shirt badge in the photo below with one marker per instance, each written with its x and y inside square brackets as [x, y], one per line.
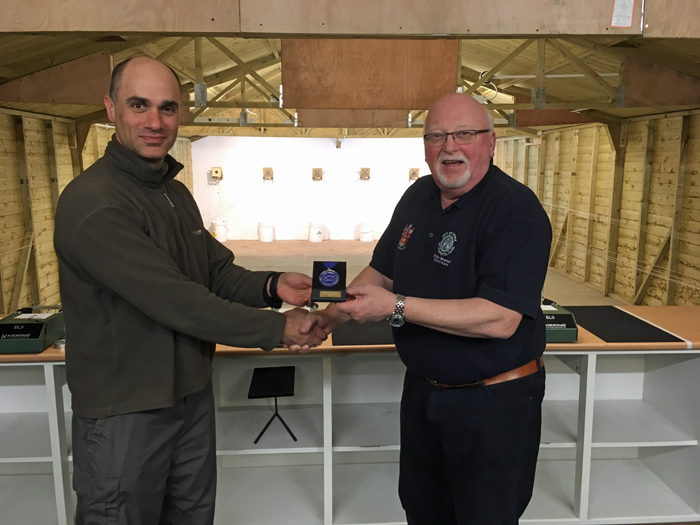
[405, 235]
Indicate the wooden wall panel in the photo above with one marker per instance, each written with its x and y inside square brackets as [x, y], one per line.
[42, 208]
[657, 154]
[11, 217]
[182, 152]
[687, 273]
[601, 219]
[95, 145]
[367, 74]
[625, 275]
[41, 201]
[64, 160]
[662, 190]
[440, 17]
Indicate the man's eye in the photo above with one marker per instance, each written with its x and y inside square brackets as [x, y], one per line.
[169, 109]
[137, 105]
[463, 134]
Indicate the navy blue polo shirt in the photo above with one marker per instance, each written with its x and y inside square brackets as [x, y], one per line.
[493, 243]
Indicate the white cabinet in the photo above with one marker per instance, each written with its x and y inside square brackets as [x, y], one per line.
[34, 478]
[619, 441]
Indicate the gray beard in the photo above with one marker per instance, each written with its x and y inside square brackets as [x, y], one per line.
[455, 183]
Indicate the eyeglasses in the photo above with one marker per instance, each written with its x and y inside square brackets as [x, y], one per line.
[461, 137]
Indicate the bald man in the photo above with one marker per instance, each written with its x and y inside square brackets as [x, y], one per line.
[146, 292]
[458, 273]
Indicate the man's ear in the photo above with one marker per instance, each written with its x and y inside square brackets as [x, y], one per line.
[109, 106]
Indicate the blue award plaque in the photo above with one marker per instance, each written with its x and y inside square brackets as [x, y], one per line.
[328, 281]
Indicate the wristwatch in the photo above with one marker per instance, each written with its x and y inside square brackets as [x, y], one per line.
[396, 319]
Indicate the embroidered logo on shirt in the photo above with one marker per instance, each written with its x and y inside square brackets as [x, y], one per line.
[197, 232]
[405, 235]
[447, 244]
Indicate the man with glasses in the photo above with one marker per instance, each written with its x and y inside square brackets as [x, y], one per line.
[458, 273]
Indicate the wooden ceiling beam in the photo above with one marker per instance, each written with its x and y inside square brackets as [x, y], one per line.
[273, 47]
[227, 95]
[245, 67]
[522, 47]
[57, 85]
[585, 68]
[174, 48]
[547, 117]
[233, 73]
[153, 51]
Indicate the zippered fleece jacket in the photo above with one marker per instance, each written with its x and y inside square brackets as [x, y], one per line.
[146, 290]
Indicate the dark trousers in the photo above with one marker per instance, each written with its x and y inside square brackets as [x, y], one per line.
[147, 468]
[468, 455]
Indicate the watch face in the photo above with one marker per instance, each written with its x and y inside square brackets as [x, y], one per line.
[396, 320]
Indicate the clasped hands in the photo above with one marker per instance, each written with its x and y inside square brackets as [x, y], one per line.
[366, 303]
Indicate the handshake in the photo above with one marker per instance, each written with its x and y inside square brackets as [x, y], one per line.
[304, 329]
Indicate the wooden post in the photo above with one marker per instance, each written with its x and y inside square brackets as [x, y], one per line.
[672, 273]
[96, 150]
[555, 180]
[53, 169]
[541, 157]
[615, 206]
[644, 208]
[526, 163]
[76, 156]
[591, 203]
[27, 260]
[572, 203]
[646, 281]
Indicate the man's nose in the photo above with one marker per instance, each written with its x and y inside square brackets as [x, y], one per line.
[450, 144]
[154, 119]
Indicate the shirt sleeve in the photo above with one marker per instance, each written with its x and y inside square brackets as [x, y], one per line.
[110, 250]
[513, 266]
[383, 255]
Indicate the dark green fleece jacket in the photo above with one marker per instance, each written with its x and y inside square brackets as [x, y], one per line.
[146, 290]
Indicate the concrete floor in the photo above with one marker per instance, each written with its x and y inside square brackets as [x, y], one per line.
[299, 256]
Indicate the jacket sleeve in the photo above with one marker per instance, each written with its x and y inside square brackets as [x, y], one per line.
[110, 249]
[233, 282]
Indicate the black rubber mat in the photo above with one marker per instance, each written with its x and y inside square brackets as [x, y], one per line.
[613, 325]
[354, 333]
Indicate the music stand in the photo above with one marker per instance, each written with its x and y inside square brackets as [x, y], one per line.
[277, 381]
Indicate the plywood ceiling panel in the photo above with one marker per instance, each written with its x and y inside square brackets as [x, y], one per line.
[367, 74]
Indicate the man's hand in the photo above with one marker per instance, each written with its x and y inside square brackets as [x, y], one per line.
[295, 288]
[295, 337]
[325, 320]
[370, 303]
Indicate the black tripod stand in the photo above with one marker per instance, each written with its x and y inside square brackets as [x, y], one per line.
[272, 382]
[275, 415]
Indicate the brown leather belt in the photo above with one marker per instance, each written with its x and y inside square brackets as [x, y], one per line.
[522, 371]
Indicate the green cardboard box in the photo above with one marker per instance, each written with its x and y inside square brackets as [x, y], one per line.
[30, 333]
[560, 324]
